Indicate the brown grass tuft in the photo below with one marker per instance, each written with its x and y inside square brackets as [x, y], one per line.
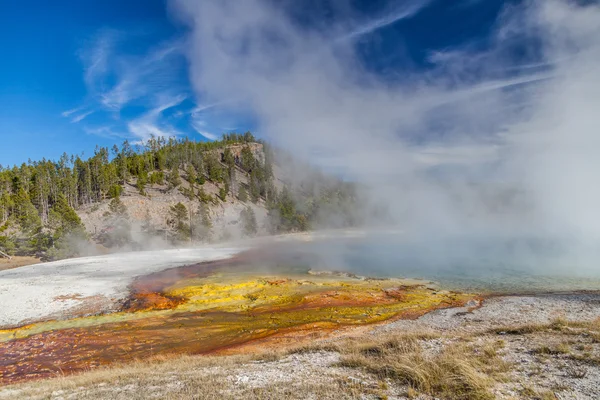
[456, 371]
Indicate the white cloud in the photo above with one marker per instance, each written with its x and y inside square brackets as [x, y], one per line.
[401, 11]
[97, 58]
[141, 76]
[82, 116]
[115, 79]
[119, 95]
[79, 114]
[67, 113]
[149, 124]
[457, 154]
[200, 127]
[105, 132]
[204, 121]
[202, 108]
[144, 129]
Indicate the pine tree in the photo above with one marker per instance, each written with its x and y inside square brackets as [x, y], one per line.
[179, 217]
[117, 208]
[174, 179]
[65, 217]
[242, 194]
[69, 232]
[157, 178]
[192, 176]
[202, 224]
[25, 212]
[248, 160]
[213, 168]
[254, 187]
[249, 224]
[142, 181]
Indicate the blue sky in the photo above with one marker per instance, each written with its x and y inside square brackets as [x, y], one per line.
[76, 74]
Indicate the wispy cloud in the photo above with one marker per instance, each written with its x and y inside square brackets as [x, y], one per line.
[107, 132]
[201, 127]
[150, 123]
[97, 58]
[137, 77]
[202, 115]
[78, 114]
[144, 128]
[116, 79]
[82, 116]
[401, 11]
[203, 107]
[119, 95]
[67, 113]
[166, 102]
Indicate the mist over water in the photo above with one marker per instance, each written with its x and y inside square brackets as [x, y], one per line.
[482, 264]
[487, 159]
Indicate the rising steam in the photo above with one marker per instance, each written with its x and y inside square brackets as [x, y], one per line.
[481, 143]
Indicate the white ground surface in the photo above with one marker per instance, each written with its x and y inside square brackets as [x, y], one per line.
[59, 288]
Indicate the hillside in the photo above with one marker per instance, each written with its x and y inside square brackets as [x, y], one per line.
[149, 213]
[153, 209]
[164, 193]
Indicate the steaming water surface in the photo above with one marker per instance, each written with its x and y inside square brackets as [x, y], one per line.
[228, 298]
[461, 263]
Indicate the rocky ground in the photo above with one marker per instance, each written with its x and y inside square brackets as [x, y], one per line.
[542, 341]
[513, 347]
[153, 209]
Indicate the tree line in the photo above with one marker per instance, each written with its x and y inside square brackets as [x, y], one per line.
[39, 199]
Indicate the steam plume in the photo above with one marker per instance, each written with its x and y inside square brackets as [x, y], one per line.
[479, 143]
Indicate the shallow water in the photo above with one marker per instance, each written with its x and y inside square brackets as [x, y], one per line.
[518, 265]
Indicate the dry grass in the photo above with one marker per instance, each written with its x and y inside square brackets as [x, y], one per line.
[143, 375]
[342, 345]
[558, 325]
[561, 348]
[586, 358]
[182, 380]
[187, 378]
[588, 331]
[457, 371]
[17, 261]
[413, 364]
[454, 370]
[530, 393]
